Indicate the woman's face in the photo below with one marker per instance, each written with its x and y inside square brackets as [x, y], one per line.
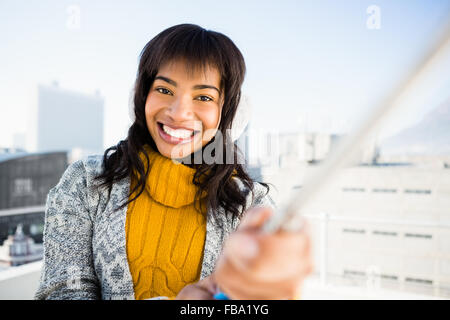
[182, 112]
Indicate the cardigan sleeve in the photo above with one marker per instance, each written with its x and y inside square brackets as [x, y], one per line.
[259, 197]
[68, 271]
[262, 197]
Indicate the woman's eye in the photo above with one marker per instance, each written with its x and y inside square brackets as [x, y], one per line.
[207, 98]
[163, 90]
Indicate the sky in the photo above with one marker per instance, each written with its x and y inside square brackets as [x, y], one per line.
[311, 65]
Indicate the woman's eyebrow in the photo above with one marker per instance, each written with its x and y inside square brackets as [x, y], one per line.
[196, 87]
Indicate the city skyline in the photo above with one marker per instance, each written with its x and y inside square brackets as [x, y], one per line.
[330, 45]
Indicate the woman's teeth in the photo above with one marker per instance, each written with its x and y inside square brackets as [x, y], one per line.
[178, 133]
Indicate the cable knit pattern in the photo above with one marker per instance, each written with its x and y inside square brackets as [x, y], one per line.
[84, 240]
[165, 232]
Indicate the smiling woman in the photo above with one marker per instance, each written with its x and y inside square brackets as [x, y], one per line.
[180, 107]
[188, 78]
[134, 224]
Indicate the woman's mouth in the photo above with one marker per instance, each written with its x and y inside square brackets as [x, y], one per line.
[175, 136]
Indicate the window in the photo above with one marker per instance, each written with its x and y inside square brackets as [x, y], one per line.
[417, 280]
[22, 186]
[353, 273]
[353, 189]
[416, 235]
[388, 277]
[348, 230]
[383, 190]
[385, 233]
[418, 191]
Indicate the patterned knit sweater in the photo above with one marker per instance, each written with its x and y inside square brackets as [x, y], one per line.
[165, 231]
[84, 235]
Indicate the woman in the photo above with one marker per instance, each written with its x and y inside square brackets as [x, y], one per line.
[147, 220]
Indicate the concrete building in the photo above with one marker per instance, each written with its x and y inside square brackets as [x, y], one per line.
[385, 225]
[69, 120]
[278, 150]
[25, 179]
[19, 249]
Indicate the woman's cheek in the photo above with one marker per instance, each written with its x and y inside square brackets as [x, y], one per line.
[210, 123]
[210, 119]
[151, 106]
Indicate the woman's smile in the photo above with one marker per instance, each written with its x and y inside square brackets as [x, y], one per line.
[174, 135]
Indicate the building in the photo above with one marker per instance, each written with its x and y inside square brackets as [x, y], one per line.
[278, 150]
[69, 120]
[19, 249]
[25, 180]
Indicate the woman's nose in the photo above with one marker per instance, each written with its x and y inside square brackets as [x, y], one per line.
[181, 109]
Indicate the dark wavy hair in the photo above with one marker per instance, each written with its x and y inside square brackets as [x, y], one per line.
[199, 48]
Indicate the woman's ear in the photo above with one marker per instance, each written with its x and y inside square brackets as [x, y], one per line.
[242, 117]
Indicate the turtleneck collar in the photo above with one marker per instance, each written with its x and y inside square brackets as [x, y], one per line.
[168, 182]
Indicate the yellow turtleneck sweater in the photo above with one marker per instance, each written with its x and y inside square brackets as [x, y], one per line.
[165, 234]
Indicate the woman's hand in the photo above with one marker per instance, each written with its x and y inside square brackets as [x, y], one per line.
[202, 290]
[254, 265]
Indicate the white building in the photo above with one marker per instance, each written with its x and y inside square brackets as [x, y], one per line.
[282, 149]
[380, 225]
[19, 249]
[69, 120]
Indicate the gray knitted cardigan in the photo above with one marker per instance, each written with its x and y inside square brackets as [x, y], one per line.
[84, 240]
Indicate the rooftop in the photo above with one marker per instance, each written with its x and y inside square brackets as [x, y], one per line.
[7, 154]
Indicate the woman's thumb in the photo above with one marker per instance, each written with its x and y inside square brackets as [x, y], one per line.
[255, 217]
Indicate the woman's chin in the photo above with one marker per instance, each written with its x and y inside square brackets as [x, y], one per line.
[178, 151]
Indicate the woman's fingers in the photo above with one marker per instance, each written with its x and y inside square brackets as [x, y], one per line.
[274, 271]
[255, 217]
[267, 256]
[201, 290]
[208, 284]
[245, 286]
[256, 265]
[194, 292]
